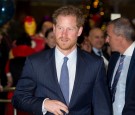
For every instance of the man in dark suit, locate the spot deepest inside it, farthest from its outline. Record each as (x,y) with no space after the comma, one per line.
(40,89)
(97,41)
(121,69)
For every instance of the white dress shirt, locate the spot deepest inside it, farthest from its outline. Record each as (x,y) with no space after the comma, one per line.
(121,85)
(71,63)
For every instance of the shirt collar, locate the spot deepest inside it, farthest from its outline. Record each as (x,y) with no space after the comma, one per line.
(97,50)
(129,50)
(60,56)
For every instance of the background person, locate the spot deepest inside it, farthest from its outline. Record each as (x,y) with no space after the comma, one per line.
(50,39)
(97,40)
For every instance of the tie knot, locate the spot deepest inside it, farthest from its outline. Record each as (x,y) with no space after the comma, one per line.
(122,57)
(65,59)
(100,53)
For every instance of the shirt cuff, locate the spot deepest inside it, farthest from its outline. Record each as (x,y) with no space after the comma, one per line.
(44,111)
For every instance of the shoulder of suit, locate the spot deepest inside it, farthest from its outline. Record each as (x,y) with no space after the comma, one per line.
(43,54)
(114,55)
(90,56)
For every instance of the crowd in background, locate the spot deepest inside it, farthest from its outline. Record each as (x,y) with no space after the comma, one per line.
(19,40)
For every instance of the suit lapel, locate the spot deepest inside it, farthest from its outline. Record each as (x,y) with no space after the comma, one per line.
(111,67)
(53,76)
(131,73)
(80,69)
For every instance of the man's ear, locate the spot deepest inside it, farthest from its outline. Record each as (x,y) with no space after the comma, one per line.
(53,28)
(80,31)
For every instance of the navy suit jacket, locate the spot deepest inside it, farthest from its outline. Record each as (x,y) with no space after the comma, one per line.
(105,54)
(129,107)
(39,81)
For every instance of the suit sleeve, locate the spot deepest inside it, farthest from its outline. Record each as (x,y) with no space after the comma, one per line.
(101,101)
(24,97)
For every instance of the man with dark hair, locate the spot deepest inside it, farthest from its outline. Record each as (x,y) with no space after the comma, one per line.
(50,39)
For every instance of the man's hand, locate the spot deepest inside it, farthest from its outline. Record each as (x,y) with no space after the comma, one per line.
(55,107)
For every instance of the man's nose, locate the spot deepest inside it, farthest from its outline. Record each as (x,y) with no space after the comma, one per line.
(64,32)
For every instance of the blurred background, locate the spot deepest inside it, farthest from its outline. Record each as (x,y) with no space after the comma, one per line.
(34,18)
(98,10)
(39,8)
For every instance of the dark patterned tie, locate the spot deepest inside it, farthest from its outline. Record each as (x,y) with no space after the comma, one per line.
(116,77)
(99,53)
(64,80)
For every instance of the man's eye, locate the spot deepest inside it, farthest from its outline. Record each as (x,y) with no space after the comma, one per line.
(70,29)
(59,28)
